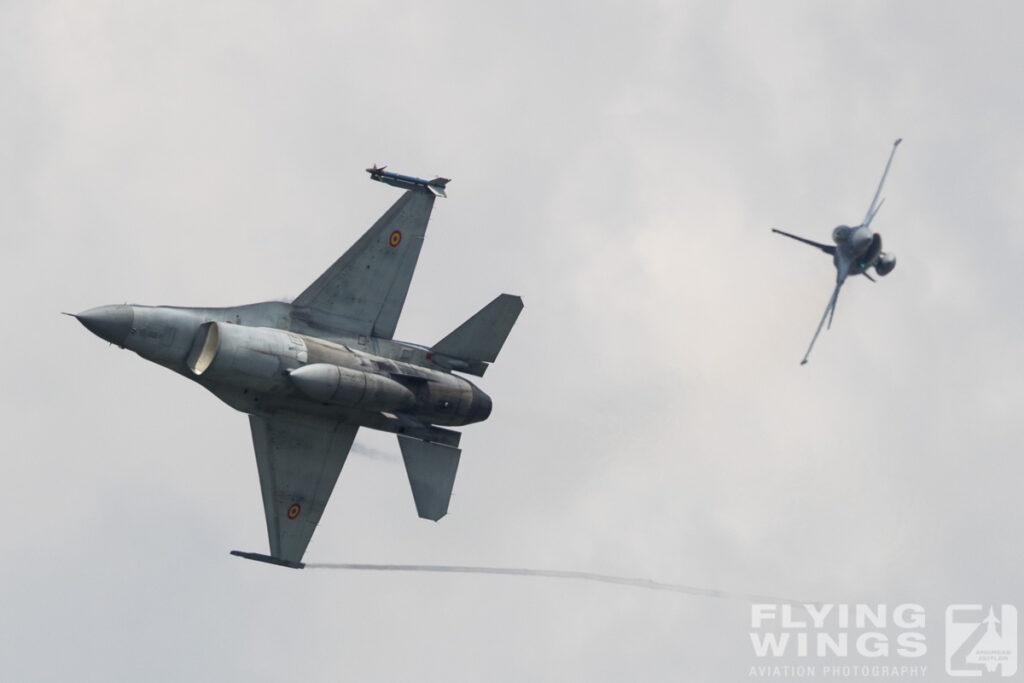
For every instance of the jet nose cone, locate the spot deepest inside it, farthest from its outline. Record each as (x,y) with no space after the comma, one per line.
(113,323)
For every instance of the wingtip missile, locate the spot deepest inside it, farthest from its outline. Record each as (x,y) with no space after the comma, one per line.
(435,187)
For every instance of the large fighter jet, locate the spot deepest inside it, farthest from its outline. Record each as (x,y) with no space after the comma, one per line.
(311,372)
(856,250)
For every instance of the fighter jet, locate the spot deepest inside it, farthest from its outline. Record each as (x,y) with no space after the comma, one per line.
(857,249)
(310,373)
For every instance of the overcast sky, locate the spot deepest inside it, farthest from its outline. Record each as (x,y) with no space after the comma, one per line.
(619,165)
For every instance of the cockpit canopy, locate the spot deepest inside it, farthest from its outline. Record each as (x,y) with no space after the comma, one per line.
(841,233)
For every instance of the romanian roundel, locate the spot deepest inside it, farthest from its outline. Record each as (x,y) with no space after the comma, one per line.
(395,239)
(294,510)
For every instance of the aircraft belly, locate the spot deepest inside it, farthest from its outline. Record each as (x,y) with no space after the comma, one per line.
(310,372)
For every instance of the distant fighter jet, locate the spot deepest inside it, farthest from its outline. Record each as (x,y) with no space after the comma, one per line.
(311,372)
(856,250)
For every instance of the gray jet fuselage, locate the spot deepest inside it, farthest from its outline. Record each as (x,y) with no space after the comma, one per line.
(249,358)
(857,249)
(311,372)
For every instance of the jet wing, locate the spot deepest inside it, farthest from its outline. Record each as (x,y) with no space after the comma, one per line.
(299,460)
(364,291)
(875,204)
(827,248)
(830,311)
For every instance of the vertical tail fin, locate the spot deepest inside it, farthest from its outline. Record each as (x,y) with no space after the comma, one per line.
(477,341)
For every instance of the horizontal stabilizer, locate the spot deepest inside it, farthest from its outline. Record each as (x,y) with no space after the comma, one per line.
(481,337)
(431,468)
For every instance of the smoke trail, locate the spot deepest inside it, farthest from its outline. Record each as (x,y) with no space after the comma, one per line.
(375,453)
(558,574)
